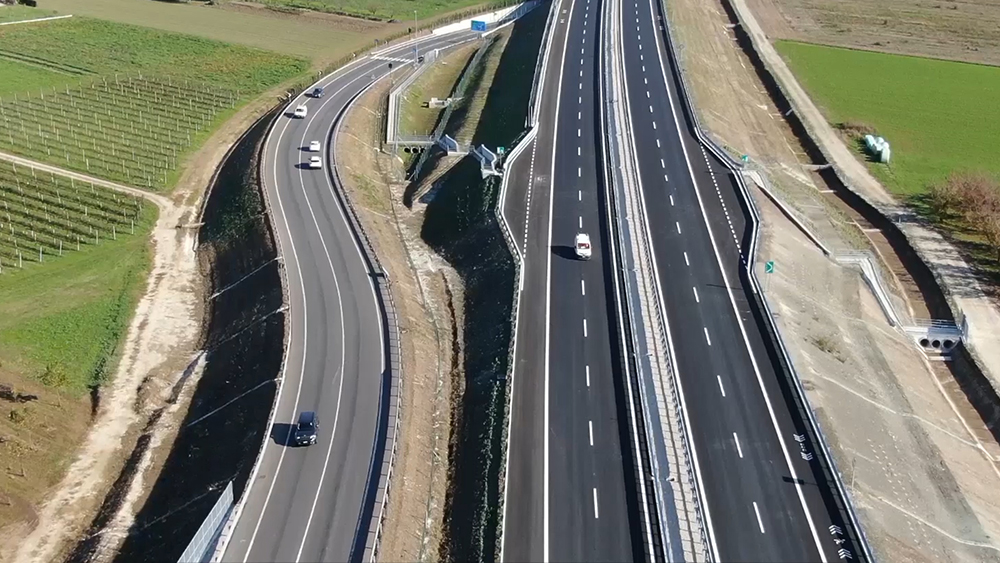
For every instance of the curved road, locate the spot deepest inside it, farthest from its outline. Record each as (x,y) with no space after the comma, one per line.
(314,503)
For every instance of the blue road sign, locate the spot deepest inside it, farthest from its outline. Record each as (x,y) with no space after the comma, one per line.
(478,25)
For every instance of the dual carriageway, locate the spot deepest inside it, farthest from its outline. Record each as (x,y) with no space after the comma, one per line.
(576,488)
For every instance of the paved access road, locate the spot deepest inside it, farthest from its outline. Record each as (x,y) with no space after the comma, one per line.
(570,487)
(762,501)
(314,503)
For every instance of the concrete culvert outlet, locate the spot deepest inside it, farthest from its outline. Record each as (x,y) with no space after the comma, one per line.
(949,344)
(925,343)
(936,344)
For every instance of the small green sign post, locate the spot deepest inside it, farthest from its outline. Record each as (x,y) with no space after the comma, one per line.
(501,150)
(769,267)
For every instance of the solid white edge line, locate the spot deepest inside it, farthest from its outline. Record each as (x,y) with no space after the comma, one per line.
(732,300)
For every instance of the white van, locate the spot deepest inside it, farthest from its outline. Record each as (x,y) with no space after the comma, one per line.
(301,111)
(582,246)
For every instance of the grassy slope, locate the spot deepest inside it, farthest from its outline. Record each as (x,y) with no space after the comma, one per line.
(382,9)
(21,13)
(938,116)
(301,37)
(436,82)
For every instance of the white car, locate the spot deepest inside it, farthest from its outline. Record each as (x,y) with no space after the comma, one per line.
(315,162)
(314,146)
(301,111)
(582,246)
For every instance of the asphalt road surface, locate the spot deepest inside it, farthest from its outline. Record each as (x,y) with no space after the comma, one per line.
(570,491)
(760,505)
(311,503)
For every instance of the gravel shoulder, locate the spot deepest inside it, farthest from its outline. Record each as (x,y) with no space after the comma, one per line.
(920,462)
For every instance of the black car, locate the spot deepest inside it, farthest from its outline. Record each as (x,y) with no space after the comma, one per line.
(317,92)
(305,430)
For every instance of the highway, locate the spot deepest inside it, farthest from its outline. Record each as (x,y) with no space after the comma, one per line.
(761,504)
(570,492)
(314,503)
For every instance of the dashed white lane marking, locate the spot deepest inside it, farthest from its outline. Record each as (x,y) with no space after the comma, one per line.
(597,517)
(587,368)
(579,195)
(760,523)
(696,299)
(647,94)
(581,222)
(663,164)
(665,179)
(654,126)
(657,143)
(581,62)
(581,73)
(579,115)
(640,46)
(686,261)
(581,86)
(579,99)
(583,288)
(585,328)
(739,449)
(581,51)
(678,223)
(645,81)
(644,68)
(590,425)
(640,58)
(650,109)
(579,172)
(707,337)
(527,203)
(579,132)
(721,388)
(725,211)
(671,198)
(577,151)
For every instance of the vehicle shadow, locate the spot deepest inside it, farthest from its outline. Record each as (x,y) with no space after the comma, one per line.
(304,166)
(281,433)
(563,251)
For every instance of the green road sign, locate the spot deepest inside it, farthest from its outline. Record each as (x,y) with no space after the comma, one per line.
(769,267)
(745,158)
(501,150)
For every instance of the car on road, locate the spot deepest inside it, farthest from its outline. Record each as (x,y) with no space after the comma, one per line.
(582,246)
(306,429)
(314,146)
(317,92)
(315,162)
(300,111)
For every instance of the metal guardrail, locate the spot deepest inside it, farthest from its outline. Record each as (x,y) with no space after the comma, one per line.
(633,312)
(201,545)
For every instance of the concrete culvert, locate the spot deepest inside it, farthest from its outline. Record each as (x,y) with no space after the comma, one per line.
(949,344)
(924,342)
(936,343)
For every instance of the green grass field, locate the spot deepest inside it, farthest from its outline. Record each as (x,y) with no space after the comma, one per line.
(20,13)
(938,116)
(401,10)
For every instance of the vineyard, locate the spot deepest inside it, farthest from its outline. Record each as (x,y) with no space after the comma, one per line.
(128,130)
(43,216)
